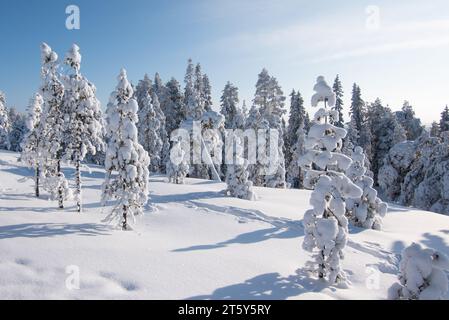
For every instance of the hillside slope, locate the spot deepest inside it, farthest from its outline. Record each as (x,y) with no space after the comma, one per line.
(193,243)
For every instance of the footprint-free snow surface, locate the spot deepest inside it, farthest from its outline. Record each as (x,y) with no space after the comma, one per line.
(192,243)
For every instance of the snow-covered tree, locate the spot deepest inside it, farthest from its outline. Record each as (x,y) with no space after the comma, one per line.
(174,106)
(4,123)
(30,145)
(433,192)
(297,117)
(177,164)
(234,118)
(127,174)
(270,100)
(411,124)
(295,173)
(17,130)
(338,90)
(152,120)
(444,121)
(257,123)
(326,226)
(435,129)
(238,185)
(160,105)
(397,164)
(415,173)
(357,109)
(386,132)
(52,128)
(422,275)
(84,126)
(351,139)
(194,108)
(207,94)
(144,87)
(368,210)
(149,126)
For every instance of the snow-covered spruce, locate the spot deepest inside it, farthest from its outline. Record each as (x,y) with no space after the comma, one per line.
(84,125)
(338,90)
(174,106)
(367,211)
(326,226)
(417,173)
(444,121)
(160,102)
(234,117)
(422,275)
(177,164)
(52,128)
(195,110)
(127,162)
(4,123)
(148,127)
(385,133)
(295,139)
(192,94)
(295,172)
(18,129)
(257,123)
(270,100)
(237,174)
(30,146)
(411,124)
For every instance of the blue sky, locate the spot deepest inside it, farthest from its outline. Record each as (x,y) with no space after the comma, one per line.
(402,54)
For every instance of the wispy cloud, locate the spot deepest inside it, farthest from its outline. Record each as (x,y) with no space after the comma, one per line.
(339,37)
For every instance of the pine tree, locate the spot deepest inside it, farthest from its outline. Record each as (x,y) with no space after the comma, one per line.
(368,210)
(238,185)
(53,127)
(149,126)
(338,90)
(326,226)
(234,118)
(5,125)
(17,130)
(258,124)
(297,117)
(295,173)
(174,107)
(161,92)
(125,157)
(386,132)
(30,146)
(357,109)
(191,98)
(444,122)
(207,94)
(435,129)
(411,124)
(84,130)
(143,88)
(270,100)
(160,98)
(351,139)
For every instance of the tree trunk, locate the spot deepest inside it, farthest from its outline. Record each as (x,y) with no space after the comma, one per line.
(125,218)
(78,186)
(60,193)
(36,181)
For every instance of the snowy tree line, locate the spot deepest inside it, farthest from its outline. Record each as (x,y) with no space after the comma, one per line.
(165,107)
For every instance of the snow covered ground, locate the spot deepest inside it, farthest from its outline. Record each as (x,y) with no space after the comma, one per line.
(197,244)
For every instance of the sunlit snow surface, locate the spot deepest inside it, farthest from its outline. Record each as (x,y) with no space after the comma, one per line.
(196,244)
